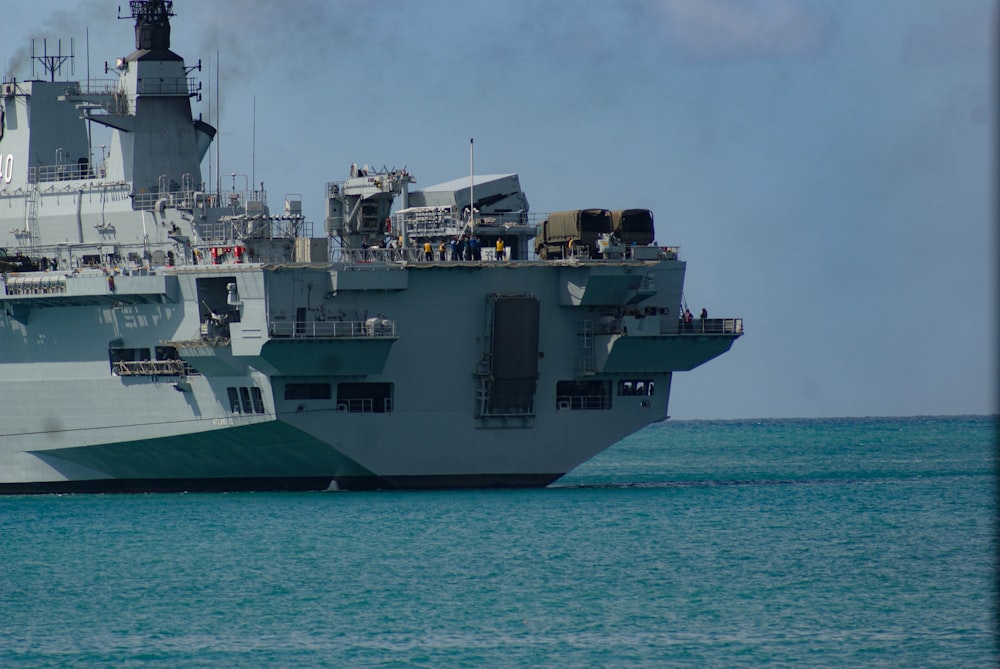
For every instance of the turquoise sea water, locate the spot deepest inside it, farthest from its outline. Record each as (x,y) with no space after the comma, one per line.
(851,542)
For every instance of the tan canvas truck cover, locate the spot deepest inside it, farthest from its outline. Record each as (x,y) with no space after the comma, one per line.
(584,225)
(634,226)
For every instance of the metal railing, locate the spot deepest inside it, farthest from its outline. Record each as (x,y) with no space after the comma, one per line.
(416,254)
(629,252)
(374,327)
(712,326)
(168,86)
(410,254)
(697,326)
(380,255)
(147,201)
(583,402)
(150,368)
(93,87)
(64,172)
(363,405)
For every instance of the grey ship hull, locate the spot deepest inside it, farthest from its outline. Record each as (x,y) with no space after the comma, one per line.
(74,424)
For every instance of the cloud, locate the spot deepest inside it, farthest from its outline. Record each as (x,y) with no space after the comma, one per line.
(723,30)
(252,34)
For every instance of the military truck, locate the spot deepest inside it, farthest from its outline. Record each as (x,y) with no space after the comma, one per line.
(574,232)
(633,226)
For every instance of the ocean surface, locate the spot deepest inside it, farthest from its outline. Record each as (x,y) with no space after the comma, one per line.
(798,543)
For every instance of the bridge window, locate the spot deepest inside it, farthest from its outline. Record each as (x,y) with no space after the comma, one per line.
(635,387)
(258,400)
(245,400)
(234,400)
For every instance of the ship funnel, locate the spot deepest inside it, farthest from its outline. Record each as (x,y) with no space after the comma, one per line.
(204,134)
(152,23)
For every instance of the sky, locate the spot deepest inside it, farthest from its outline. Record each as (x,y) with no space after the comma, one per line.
(827,167)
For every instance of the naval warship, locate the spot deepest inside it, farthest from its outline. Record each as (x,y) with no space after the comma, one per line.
(161,334)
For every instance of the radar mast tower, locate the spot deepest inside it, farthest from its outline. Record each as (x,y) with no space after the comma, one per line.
(152,23)
(51,63)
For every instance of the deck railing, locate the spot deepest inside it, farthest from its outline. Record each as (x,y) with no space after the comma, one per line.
(417,254)
(169,86)
(583,402)
(697,326)
(363,405)
(712,326)
(150,368)
(377,327)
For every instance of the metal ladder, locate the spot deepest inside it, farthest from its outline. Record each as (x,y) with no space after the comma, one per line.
(31,219)
(585,362)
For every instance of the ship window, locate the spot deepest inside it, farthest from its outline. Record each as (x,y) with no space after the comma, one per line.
(245,400)
(364,397)
(635,387)
(234,400)
(307,391)
(583,395)
(258,400)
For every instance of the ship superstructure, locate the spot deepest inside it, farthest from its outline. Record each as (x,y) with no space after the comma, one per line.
(158,334)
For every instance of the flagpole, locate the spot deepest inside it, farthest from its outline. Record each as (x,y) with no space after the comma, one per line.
(472,200)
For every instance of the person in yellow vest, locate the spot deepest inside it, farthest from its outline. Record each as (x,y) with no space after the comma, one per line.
(441,248)
(428,253)
(499,248)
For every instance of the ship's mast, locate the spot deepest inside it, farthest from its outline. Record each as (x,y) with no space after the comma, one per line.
(472,182)
(152,23)
(51,63)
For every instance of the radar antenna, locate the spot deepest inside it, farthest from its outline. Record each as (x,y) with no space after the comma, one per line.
(152,23)
(52,63)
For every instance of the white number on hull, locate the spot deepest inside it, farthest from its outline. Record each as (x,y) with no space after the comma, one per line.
(7,168)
